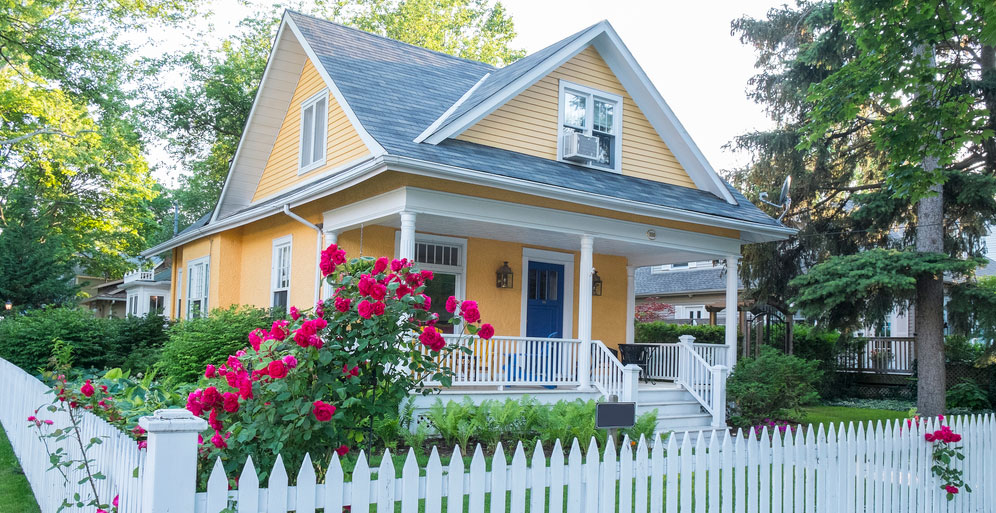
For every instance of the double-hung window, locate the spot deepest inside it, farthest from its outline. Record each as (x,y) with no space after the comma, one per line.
(197,287)
(314,126)
(280,269)
(595,114)
(445,257)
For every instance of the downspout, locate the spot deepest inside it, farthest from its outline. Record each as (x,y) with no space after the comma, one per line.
(318,250)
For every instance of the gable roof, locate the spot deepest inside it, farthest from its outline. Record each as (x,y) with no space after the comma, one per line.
(392,92)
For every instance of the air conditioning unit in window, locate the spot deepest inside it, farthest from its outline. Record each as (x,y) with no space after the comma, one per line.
(580,147)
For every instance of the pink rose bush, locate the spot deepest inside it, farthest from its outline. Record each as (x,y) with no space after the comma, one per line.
(322,380)
(945,453)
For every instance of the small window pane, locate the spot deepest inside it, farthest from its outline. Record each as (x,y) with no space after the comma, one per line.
(574,109)
(552,283)
(603,116)
(307,139)
(441,287)
(319,150)
(532,283)
(605,147)
(280,299)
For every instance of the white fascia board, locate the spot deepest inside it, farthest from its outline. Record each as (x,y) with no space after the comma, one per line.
(754,232)
(541,218)
(456,126)
(249,119)
(370,210)
(665,122)
(371,143)
(435,124)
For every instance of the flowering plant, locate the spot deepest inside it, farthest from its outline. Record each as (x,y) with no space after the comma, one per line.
(321,381)
(944,454)
(654,310)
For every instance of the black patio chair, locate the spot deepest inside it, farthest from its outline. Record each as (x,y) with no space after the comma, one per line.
(637,355)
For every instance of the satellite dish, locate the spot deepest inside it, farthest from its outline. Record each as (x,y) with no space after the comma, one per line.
(784,200)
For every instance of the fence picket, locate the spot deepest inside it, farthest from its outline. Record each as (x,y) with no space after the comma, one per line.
(359,498)
(657,475)
(477,472)
(764,467)
(777,471)
(434,484)
(454,482)
(740,472)
(499,480)
(557,478)
(248,493)
(699,498)
(276,487)
(809,444)
(518,498)
(537,479)
(385,483)
(608,476)
(591,461)
(642,473)
(727,488)
(334,485)
(409,483)
(217,488)
(575,471)
(625,476)
(752,468)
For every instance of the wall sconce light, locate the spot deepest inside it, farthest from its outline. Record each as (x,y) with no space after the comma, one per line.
(596,283)
(8,305)
(504,276)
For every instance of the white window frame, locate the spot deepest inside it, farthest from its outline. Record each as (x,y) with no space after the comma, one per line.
(131,305)
(310,102)
(205,290)
(617,117)
(278,244)
(179,293)
(549,257)
(459,270)
(682,311)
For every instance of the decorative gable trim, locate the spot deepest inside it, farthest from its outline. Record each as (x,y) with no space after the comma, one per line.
(619,59)
(287,57)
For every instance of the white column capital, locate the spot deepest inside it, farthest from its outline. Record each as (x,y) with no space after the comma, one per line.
(332,236)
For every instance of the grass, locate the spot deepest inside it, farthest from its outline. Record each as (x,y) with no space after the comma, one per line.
(836,414)
(15,494)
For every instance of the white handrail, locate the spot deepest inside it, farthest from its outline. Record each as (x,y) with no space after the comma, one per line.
(662,358)
(706,383)
(607,374)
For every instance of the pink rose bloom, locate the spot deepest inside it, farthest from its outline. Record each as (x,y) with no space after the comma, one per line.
(290,361)
(468,304)
(365,309)
(326,266)
(277,369)
(342,450)
(279,330)
(255,338)
(396,265)
(49,422)
(323,411)
(486,332)
(402,291)
(218,441)
(230,402)
(142,444)
(295,313)
(209,371)
(115,501)
(342,304)
(451,304)
(470,315)
(210,397)
(378,308)
(87,389)
(951,489)
(365,284)
(380,265)
(194,402)
(301,338)
(426,275)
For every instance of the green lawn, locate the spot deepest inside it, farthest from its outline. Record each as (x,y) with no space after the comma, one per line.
(836,414)
(15,494)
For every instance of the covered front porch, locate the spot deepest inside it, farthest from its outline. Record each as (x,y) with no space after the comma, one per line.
(558,332)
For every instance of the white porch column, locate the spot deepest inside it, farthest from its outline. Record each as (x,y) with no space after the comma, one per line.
(732,316)
(630,304)
(584,312)
(407,249)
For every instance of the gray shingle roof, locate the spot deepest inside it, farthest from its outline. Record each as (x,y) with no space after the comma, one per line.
(397,90)
(679,282)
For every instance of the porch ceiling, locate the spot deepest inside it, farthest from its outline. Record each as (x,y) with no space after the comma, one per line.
(462,216)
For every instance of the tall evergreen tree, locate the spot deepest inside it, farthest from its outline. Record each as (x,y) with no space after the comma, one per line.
(34,268)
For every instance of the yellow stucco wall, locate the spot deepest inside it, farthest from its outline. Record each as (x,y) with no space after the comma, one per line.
(528,123)
(344,143)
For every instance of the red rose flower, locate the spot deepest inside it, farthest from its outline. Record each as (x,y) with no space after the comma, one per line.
(397,265)
(380,265)
(218,441)
(87,389)
(209,371)
(278,331)
(470,315)
(323,411)
(210,397)
(426,275)
(194,402)
(365,309)
(378,308)
(451,304)
(342,304)
(342,450)
(295,313)
(486,332)
(255,338)
(277,369)
(230,402)
(378,291)
(951,489)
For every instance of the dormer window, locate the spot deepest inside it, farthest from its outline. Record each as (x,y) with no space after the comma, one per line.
(314,112)
(596,116)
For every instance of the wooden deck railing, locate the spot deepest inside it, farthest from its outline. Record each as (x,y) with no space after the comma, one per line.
(883,355)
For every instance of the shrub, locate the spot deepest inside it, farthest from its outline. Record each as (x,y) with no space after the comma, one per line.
(194,343)
(134,343)
(968,395)
(960,349)
(27,340)
(657,332)
(772,386)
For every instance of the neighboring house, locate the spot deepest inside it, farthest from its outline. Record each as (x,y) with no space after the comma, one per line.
(103,297)
(564,163)
(692,288)
(147,288)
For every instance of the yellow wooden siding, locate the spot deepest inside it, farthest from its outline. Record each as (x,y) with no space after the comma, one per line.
(528,123)
(344,143)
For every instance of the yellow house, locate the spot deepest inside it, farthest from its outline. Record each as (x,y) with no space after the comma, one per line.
(566,166)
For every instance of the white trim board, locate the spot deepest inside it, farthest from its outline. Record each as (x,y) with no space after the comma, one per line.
(551,257)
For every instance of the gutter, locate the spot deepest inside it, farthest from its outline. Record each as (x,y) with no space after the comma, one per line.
(318,250)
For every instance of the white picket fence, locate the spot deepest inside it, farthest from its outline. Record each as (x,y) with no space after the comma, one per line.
(117,456)
(878,468)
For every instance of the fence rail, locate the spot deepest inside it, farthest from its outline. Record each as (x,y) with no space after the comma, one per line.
(888,355)
(117,456)
(880,468)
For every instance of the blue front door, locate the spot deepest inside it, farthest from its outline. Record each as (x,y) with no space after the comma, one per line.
(545,300)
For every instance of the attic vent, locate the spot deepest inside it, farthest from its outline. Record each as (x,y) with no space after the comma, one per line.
(579,147)
(437,254)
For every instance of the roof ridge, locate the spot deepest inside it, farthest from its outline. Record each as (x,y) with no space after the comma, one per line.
(381,36)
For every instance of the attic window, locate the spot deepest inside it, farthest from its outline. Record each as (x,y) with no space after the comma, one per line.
(314,125)
(597,117)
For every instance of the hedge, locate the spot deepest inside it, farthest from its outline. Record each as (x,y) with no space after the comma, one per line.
(665,332)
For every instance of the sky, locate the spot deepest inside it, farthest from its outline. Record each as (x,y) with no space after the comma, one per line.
(684,47)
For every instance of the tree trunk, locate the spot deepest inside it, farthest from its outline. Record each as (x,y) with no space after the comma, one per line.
(929,319)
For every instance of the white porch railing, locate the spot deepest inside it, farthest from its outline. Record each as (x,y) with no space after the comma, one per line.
(139,275)
(608,374)
(504,361)
(705,382)
(662,359)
